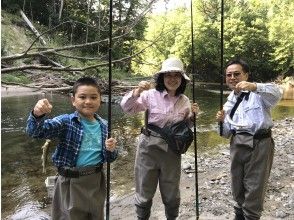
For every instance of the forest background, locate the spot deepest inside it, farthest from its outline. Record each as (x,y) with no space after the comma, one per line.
(72,38)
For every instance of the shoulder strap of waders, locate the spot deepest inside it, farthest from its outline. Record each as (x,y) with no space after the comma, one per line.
(239,100)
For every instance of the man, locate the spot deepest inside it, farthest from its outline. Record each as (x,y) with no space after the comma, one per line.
(251,147)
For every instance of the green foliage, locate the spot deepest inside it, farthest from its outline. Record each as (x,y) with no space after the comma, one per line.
(37,9)
(88,21)
(16,78)
(246,36)
(281,34)
(117,73)
(163,37)
(4,50)
(261,32)
(100,73)
(11,6)
(8,35)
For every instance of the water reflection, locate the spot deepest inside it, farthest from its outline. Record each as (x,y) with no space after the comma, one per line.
(22,185)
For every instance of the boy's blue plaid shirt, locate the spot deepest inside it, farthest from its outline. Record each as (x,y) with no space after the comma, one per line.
(68,129)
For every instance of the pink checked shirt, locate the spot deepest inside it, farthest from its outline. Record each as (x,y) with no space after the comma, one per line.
(163,108)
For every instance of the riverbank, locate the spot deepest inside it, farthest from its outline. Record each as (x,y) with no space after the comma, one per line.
(15,90)
(215,199)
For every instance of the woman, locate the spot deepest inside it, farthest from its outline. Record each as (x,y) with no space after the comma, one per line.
(155,161)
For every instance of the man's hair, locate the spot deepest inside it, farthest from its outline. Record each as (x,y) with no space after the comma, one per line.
(161,87)
(241,62)
(85,81)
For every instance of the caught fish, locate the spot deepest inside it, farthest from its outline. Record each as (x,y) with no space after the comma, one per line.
(45,149)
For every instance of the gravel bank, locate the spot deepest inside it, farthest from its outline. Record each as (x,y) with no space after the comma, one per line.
(215,199)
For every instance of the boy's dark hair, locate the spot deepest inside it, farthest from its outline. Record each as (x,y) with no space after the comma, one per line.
(85,81)
(161,87)
(241,62)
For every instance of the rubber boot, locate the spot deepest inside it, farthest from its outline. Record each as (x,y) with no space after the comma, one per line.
(239,215)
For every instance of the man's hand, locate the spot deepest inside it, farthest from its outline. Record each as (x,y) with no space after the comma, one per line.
(220,116)
(245,86)
(42,107)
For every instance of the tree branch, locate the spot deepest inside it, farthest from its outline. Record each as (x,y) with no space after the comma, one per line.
(45,32)
(50,51)
(80,58)
(54,51)
(69,69)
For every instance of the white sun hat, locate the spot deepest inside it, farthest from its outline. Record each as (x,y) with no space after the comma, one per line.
(173,65)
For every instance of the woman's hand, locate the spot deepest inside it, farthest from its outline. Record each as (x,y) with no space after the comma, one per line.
(143,85)
(110,144)
(195,108)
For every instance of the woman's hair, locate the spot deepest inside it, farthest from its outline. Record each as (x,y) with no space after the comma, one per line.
(159,81)
(241,62)
(85,81)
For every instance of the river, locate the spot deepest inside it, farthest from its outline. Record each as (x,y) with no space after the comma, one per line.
(23,191)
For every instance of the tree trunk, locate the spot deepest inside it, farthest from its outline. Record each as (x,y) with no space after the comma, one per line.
(60,10)
(34,30)
(24,5)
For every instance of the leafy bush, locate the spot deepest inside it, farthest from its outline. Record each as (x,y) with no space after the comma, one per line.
(15,78)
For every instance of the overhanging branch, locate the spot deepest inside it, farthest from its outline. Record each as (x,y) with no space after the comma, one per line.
(68,68)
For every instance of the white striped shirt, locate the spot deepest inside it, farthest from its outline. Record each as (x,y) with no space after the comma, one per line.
(253,113)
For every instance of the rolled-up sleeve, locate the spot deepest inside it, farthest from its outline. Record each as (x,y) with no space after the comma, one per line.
(269,92)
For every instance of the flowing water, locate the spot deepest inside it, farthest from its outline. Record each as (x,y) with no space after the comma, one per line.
(23,191)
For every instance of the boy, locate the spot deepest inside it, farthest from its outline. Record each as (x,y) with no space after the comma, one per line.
(79,191)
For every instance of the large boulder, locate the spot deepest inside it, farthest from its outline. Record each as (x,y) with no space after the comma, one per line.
(288,88)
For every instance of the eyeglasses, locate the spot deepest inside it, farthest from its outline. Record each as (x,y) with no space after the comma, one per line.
(235,74)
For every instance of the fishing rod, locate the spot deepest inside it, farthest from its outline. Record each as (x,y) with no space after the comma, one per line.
(222,65)
(109,107)
(194,121)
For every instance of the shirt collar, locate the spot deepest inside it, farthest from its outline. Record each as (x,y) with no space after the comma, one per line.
(233,96)
(164,94)
(77,116)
